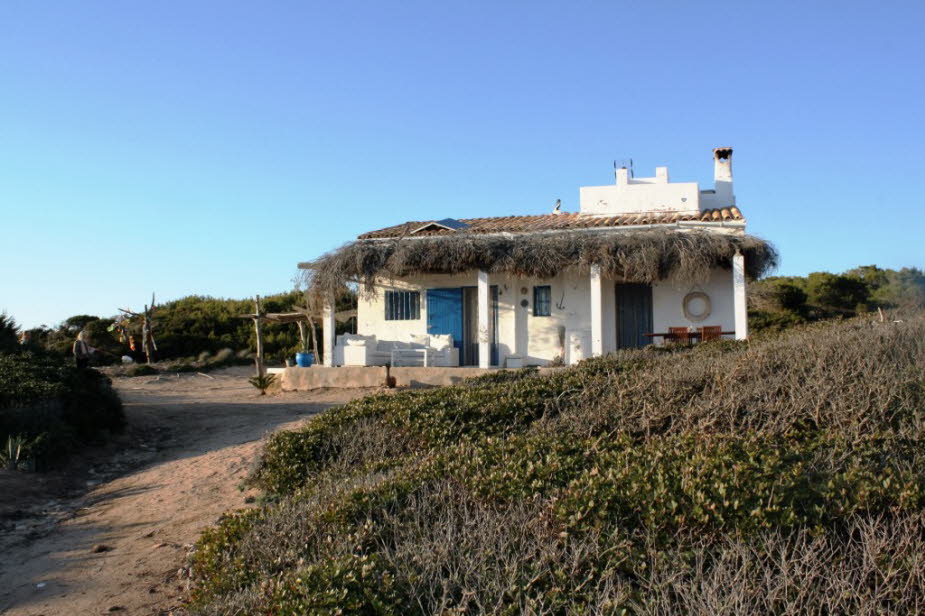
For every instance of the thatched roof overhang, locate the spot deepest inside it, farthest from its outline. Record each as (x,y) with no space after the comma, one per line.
(645,254)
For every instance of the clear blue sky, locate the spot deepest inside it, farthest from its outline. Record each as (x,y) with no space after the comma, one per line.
(207,147)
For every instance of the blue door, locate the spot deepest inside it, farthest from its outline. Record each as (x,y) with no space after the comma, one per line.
(445,314)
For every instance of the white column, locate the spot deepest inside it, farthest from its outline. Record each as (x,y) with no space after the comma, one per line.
(597,322)
(327,327)
(484,323)
(738,294)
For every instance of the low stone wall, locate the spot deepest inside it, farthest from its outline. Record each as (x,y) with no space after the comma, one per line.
(316,377)
(433,377)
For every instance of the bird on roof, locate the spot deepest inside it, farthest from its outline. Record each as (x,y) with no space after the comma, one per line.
(558,208)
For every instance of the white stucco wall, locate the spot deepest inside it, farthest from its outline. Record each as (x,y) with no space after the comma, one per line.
(537,339)
(640,197)
(659,194)
(667,300)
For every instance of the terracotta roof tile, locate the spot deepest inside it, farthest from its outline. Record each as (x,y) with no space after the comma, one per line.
(559,222)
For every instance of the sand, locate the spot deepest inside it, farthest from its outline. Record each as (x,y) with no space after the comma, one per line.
(111,532)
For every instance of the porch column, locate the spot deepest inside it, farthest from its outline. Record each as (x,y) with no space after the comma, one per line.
(327,328)
(597,322)
(484,323)
(738,294)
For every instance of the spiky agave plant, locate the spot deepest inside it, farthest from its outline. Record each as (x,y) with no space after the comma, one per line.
(262,382)
(13,451)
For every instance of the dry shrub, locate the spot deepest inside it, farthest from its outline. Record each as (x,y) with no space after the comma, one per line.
(251,546)
(853,377)
(823,425)
(455,554)
(448,553)
(643,256)
(471,559)
(871,565)
(451,554)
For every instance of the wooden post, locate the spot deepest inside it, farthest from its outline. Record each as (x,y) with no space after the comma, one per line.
(147,329)
(306,330)
(146,335)
(597,322)
(258,317)
(303,335)
(311,329)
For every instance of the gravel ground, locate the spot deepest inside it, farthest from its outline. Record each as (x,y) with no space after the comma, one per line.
(110,534)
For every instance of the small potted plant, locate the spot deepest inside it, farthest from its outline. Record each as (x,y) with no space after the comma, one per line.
(305,358)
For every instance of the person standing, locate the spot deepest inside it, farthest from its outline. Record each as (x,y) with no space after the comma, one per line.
(82,351)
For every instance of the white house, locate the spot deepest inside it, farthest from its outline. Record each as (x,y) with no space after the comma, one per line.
(642,258)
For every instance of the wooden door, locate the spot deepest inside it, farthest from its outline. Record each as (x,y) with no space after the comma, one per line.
(634,315)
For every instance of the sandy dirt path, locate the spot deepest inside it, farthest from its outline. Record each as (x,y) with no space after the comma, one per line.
(117,543)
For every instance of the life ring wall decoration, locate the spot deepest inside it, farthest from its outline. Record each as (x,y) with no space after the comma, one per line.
(697,306)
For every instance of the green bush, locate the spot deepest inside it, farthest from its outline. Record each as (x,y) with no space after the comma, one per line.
(420,420)
(501,376)
(9,334)
(193,325)
(109,349)
(774,321)
(778,302)
(835,291)
(43,396)
(189,327)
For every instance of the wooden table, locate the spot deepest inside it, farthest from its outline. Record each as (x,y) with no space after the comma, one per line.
(695,335)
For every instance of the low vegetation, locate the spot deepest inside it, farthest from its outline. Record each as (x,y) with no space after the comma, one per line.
(204,362)
(9,334)
(263,382)
(49,408)
(185,329)
(783,301)
(785,475)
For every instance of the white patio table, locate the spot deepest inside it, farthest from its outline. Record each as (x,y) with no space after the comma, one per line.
(412,357)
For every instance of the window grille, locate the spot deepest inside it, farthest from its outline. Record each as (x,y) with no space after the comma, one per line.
(542,301)
(402,305)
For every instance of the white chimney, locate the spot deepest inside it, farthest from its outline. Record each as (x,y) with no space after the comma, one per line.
(623,175)
(722,177)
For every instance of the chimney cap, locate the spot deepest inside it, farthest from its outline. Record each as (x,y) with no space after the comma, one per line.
(722,153)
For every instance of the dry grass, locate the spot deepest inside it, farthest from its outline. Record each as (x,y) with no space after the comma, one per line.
(871,565)
(855,377)
(453,555)
(641,256)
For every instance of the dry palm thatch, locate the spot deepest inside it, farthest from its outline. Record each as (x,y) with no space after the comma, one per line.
(640,256)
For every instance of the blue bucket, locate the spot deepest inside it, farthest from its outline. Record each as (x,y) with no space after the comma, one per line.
(304,360)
